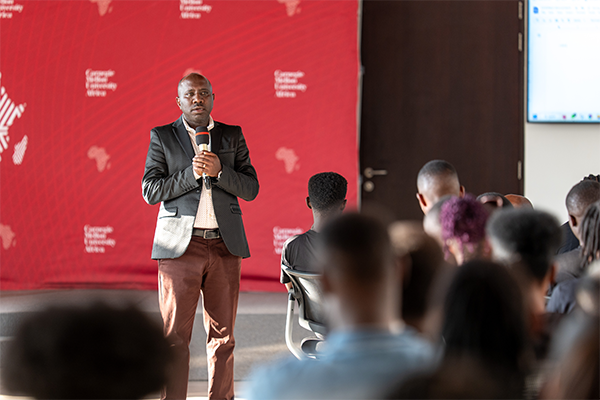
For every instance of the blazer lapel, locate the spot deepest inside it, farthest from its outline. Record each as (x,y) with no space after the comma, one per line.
(183,137)
(215,138)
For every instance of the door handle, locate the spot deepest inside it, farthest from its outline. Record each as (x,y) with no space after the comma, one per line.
(370,172)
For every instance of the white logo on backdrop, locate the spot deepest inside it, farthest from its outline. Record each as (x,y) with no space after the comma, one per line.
(96,238)
(280,235)
(8,7)
(192,9)
(291,7)
(8,112)
(289,158)
(287,85)
(19,152)
(98,83)
(104,6)
(8,237)
(101,156)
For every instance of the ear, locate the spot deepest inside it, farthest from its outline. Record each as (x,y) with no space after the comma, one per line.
(462,192)
(572,221)
(343,205)
(178,102)
(308,202)
(422,202)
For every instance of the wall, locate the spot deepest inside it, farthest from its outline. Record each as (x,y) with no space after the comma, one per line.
(557,156)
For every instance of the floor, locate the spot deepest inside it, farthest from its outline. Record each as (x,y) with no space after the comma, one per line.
(259,332)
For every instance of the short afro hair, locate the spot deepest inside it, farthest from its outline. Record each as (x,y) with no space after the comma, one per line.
(327,190)
(527,236)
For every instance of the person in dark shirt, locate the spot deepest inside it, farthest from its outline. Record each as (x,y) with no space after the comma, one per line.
(525,240)
(327,199)
(563,298)
(578,200)
(570,241)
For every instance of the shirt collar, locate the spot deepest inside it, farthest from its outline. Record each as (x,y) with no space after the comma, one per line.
(211,124)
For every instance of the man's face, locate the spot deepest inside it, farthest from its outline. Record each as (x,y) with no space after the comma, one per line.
(195,99)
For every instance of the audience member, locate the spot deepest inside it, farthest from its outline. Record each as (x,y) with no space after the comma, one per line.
(493,201)
(366,347)
(431,222)
(588,305)
(327,199)
(484,318)
(421,260)
(519,201)
(527,240)
(463,229)
(436,179)
(96,352)
(577,201)
(456,378)
(579,371)
(563,296)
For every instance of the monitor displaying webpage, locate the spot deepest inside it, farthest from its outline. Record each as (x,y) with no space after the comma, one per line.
(563,61)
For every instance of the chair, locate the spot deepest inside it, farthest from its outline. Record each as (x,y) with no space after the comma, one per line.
(306,290)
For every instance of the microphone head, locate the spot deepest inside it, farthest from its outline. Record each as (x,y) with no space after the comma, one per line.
(202,135)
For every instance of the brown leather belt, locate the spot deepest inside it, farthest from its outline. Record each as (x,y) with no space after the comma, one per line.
(207,233)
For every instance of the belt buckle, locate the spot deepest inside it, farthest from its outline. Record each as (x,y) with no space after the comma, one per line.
(210,234)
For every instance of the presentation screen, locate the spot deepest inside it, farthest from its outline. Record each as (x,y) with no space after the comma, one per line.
(564,61)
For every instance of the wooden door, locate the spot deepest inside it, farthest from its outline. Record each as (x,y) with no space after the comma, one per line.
(442,80)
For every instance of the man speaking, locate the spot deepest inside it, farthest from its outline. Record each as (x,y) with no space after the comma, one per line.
(199,240)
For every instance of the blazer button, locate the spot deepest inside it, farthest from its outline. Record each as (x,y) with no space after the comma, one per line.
(197,190)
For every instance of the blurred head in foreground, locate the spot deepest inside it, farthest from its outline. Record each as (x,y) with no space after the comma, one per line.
(485,318)
(421,260)
(456,378)
(359,273)
(95,352)
(527,240)
(578,376)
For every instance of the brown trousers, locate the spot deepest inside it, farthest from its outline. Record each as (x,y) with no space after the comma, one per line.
(206,267)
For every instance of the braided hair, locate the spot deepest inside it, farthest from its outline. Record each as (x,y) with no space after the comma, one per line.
(590,235)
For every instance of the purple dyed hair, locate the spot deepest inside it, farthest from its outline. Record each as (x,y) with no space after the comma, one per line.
(464,220)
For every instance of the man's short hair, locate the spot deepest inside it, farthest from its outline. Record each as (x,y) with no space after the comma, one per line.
(436,168)
(364,244)
(525,236)
(582,195)
(327,190)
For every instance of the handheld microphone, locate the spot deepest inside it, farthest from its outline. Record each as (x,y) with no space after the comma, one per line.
(202,140)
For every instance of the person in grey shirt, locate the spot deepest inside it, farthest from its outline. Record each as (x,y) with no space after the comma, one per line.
(368,347)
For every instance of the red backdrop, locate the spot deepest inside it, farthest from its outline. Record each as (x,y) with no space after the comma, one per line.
(83,82)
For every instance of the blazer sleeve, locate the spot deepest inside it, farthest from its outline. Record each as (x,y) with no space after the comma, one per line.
(157,184)
(241,180)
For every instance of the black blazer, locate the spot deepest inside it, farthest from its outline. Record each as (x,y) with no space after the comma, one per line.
(169,179)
